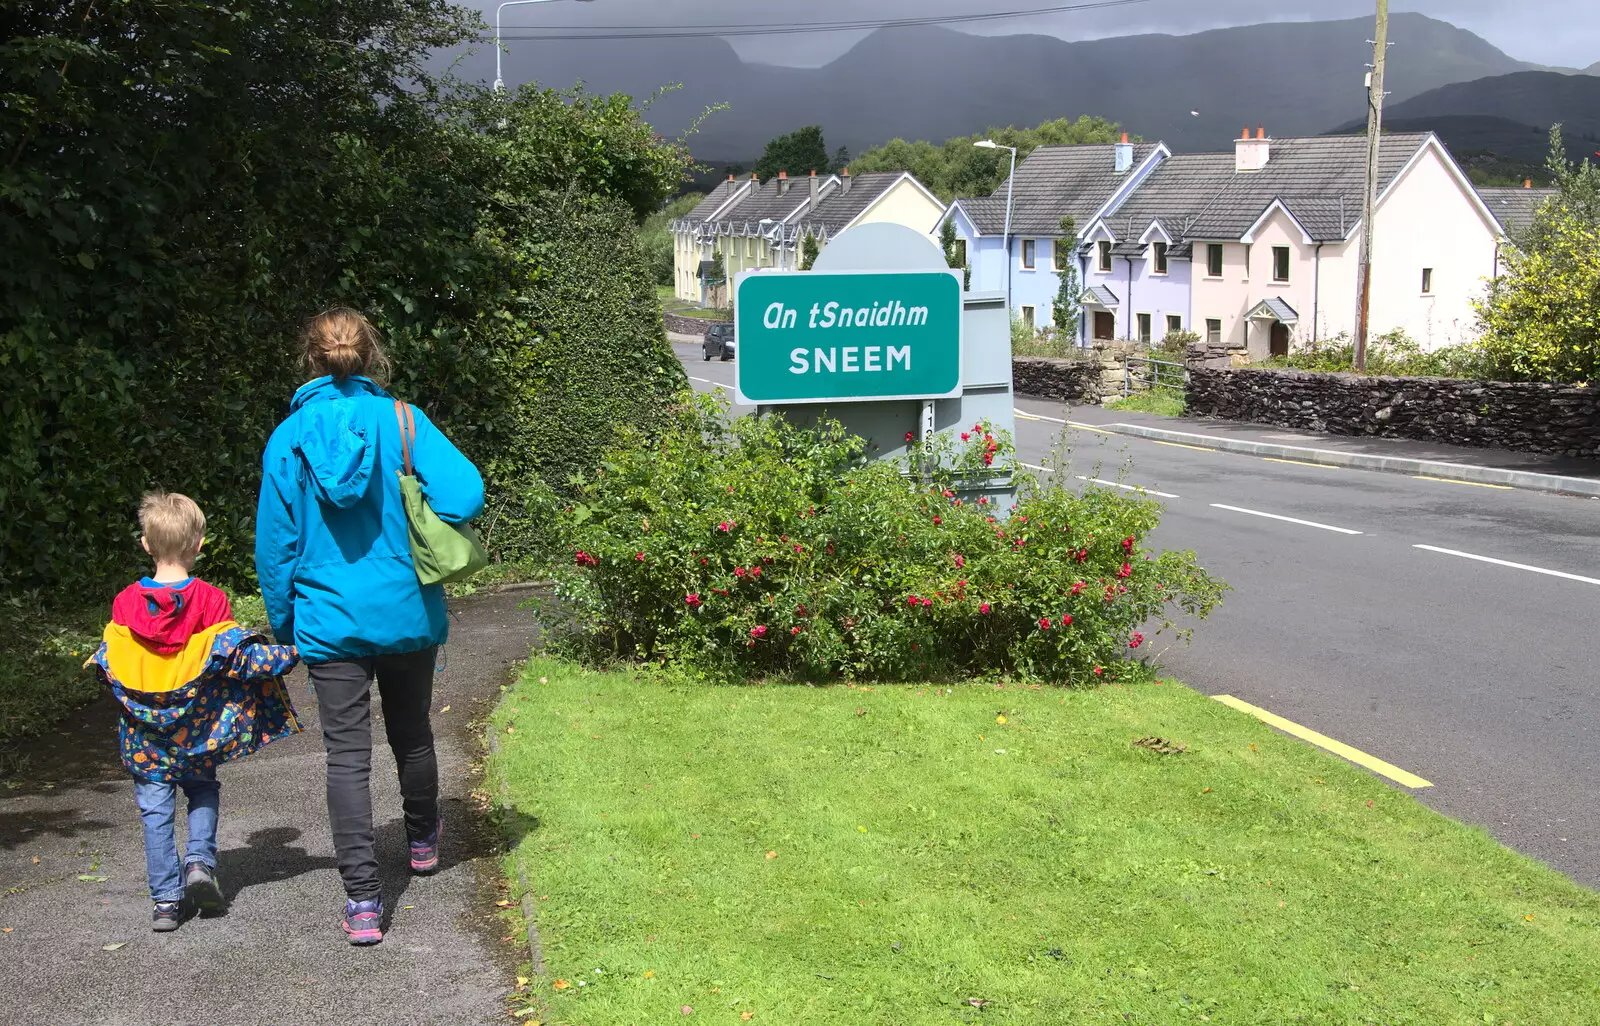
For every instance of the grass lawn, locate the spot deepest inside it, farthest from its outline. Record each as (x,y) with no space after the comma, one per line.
(1163,403)
(898,855)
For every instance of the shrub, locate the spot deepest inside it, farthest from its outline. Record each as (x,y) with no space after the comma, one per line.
(762,548)
(1393,354)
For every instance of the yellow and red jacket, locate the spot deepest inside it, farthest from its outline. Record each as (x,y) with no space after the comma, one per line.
(218,696)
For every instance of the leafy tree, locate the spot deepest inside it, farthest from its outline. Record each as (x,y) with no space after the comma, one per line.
(1538,319)
(655,236)
(183,183)
(840,162)
(1067,305)
(954,251)
(810,250)
(798,153)
(958,168)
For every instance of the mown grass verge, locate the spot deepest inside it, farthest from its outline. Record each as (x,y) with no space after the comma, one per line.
(1163,403)
(900,855)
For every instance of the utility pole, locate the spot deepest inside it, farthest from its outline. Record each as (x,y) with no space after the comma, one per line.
(1380,46)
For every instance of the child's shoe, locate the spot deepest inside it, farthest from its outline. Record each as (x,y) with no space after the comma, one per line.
(201,887)
(425,854)
(362,921)
(167,916)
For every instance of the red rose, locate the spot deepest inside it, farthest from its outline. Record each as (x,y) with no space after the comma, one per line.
(726,525)
(739,571)
(640,557)
(1127,544)
(965,436)
(755,571)
(911,436)
(799,548)
(983,608)
(793,631)
(961,561)
(1126,571)
(913,601)
(691,600)
(947,493)
(758,632)
(937,521)
(1077,588)
(1136,640)
(1066,620)
(1044,623)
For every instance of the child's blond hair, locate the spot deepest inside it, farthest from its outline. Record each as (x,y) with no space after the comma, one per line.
(173,526)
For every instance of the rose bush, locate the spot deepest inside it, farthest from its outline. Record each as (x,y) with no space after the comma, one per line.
(758,548)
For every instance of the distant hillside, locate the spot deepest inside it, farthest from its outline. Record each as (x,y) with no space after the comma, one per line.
(1297,78)
(1537,98)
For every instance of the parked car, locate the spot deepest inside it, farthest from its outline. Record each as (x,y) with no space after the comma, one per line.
(718,341)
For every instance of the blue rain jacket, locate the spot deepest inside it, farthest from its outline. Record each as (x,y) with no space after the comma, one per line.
(332,550)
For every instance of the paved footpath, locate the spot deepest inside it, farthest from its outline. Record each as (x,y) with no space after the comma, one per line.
(278,955)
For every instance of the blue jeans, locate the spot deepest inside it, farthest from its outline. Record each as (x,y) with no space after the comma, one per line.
(158,808)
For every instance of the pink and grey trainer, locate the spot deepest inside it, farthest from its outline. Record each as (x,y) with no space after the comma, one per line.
(425,853)
(362,921)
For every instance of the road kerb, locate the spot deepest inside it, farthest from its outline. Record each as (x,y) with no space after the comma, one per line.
(1466,472)
(1326,743)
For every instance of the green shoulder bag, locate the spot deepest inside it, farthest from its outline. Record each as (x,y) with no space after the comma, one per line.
(443,553)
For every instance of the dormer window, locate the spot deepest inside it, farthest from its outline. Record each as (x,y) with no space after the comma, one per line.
(1104,249)
(1159,256)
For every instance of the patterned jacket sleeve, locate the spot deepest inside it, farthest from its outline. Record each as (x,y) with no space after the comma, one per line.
(259,661)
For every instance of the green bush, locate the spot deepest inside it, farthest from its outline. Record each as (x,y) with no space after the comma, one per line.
(759,548)
(1393,354)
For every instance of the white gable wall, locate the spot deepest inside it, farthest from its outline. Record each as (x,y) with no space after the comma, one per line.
(1429,218)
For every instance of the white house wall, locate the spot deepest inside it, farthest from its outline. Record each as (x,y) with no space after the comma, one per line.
(1428,219)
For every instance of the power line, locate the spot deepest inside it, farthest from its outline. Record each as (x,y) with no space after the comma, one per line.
(559,32)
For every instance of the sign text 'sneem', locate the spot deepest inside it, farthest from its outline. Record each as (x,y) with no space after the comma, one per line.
(780,317)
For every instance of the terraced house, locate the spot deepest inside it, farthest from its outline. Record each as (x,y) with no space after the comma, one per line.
(754,224)
(1258,248)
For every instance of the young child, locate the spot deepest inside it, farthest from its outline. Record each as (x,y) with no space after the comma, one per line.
(196,690)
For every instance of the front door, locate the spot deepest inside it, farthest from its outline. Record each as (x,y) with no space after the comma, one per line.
(1105,324)
(1280,339)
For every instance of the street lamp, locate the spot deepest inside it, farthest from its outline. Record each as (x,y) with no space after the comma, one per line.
(499,83)
(1011,184)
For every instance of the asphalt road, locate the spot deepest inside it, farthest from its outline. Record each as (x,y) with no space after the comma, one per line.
(1479,677)
(278,956)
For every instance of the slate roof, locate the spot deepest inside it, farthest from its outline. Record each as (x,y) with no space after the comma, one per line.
(708,206)
(838,207)
(1320,181)
(1174,193)
(1052,182)
(1275,307)
(1101,295)
(768,200)
(1514,207)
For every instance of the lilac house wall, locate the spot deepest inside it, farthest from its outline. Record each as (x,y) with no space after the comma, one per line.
(1155,294)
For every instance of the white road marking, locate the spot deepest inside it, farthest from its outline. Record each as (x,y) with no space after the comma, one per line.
(1288,520)
(1504,562)
(708,381)
(1126,487)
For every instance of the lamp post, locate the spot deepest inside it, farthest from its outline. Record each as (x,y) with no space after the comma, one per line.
(499,83)
(1011,185)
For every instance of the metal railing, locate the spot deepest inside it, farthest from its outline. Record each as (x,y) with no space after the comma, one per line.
(1146,374)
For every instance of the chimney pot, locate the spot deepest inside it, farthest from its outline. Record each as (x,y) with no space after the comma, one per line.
(784,175)
(1245,134)
(813,172)
(1261,132)
(1124,136)
(1527,183)
(754,177)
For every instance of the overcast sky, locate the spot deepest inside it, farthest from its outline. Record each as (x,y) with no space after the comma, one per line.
(1555,32)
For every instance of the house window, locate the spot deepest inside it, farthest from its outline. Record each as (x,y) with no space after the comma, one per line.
(1280,263)
(1104,248)
(1427,281)
(1144,328)
(1029,253)
(1214,259)
(1174,322)
(1213,331)
(1160,249)
(1063,254)
(961,252)
(1027,317)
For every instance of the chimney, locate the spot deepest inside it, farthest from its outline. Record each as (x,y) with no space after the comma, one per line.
(815,189)
(1251,154)
(1124,154)
(844,179)
(783,182)
(732,185)
(1527,183)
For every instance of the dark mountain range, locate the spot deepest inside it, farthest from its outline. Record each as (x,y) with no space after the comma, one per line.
(1535,98)
(933,83)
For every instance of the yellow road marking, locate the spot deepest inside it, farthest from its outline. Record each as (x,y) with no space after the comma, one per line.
(1447,480)
(1299,463)
(1027,416)
(1180,445)
(1338,748)
(1085,427)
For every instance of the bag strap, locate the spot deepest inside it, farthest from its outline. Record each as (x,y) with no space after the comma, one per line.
(408,432)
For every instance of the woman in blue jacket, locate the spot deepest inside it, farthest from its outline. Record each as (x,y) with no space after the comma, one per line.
(334,559)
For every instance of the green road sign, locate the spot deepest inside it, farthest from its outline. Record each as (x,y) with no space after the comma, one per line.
(810,336)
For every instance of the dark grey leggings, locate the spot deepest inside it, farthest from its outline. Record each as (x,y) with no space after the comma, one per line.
(344,696)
